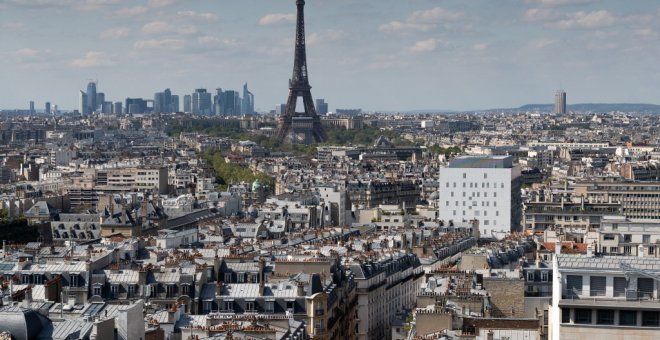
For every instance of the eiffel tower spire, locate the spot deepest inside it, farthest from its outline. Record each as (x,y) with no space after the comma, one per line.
(291,124)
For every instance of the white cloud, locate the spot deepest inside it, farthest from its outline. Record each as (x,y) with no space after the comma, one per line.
(163,44)
(161,3)
(427,45)
(584,19)
(277,18)
(398,26)
(115,33)
(83,5)
(162,27)
(540,14)
(434,15)
(561,2)
(422,21)
(131,11)
(93,59)
(26,52)
(209,17)
(324,37)
(646,33)
(210,41)
(480,47)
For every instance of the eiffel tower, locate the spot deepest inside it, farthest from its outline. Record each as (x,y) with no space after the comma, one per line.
(300,127)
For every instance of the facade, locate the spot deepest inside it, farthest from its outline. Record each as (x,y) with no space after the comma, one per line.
(82,103)
(321,107)
(247,104)
(486,189)
(201,102)
(384,288)
(560,102)
(91,98)
(133,179)
(638,200)
(604,297)
(187,103)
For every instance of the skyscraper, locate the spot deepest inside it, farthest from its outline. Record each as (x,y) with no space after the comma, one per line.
(187,103)
(118,108)
(163,102)
(31,107)
(47,108)
(174,104)
(91,98)
(321,107)
(100,99)
(247,105)
(560,102)
(201,102)
(159,102)
(230,103)
(82,103)
(217,102)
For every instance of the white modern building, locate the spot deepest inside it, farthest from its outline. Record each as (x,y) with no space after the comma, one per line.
(485,189)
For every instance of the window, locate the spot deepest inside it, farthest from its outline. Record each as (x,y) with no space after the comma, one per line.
(131,290)
(544,276)
(574,285)
(485,176)
(464,175)
(620,286)
(229,305)
(646,239)
(318,324)
(114,290)
(530,276)
(249,306)
(650,319)
(74,280)
(565,315)
(597,286)
(652,250)
(627,250)
(627,238)
(645,287)
(614,250)
(97,290)
(583,316)
(227,277)
(628,318)
(605,317)
(206,307)
(270,307)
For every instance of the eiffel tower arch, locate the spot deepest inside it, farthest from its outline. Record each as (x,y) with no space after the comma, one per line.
(300,127)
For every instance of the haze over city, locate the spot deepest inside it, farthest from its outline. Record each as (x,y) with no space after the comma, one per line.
(372,54)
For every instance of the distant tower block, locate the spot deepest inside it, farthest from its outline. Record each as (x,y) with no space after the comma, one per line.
(560,102)
(300,127)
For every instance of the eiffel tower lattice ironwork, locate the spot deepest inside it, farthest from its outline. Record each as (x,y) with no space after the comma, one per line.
(290,121)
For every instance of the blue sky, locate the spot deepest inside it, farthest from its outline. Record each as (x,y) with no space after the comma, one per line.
(370,54)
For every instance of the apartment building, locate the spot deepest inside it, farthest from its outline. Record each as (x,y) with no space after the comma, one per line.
(605,297)
(638,200)
(486,189)
(385,288)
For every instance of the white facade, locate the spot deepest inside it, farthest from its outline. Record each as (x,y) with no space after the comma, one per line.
(482,194)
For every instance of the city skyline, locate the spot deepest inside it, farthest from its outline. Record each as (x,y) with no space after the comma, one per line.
(408,56)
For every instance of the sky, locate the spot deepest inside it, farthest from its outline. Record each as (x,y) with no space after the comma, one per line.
(370,54)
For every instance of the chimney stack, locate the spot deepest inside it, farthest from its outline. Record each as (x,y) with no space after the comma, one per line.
(557,247)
